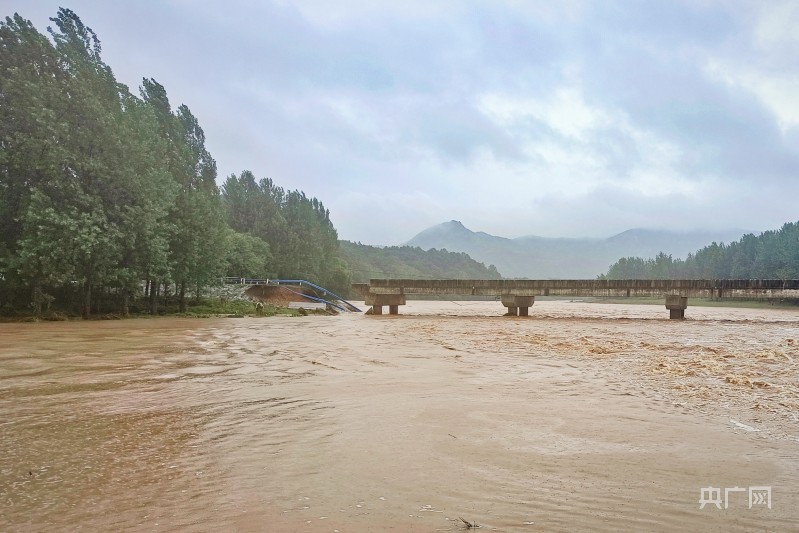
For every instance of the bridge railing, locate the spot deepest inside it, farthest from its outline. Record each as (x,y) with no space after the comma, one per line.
(325,296)
(245,281)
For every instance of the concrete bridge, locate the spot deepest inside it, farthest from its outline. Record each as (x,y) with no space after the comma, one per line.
(519,295)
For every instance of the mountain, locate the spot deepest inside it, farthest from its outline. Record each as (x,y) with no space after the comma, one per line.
(545,258)
(365,262)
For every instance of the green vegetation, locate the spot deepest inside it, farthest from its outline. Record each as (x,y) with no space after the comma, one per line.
(201,308)
(296,230)
(218,307)
(406,262)
(109,203)
(770,255)
(106,196)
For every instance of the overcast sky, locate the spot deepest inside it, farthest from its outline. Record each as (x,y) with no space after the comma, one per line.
(564,118)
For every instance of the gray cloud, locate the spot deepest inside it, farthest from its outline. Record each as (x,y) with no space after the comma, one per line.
(570,118)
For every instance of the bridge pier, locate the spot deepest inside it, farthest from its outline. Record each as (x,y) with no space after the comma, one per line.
(676,305)
(377,301)
(517,305)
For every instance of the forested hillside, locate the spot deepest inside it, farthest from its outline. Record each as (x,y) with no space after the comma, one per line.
(770,255)
(104,193)
(407,262)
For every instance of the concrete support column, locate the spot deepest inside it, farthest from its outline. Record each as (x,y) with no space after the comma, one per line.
(676,305)
(517,305)
(377,301)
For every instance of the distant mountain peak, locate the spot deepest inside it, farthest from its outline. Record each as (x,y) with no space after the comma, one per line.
(451,227)
(454,224)
(546,257)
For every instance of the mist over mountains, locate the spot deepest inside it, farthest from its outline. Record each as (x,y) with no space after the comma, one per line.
(564,258)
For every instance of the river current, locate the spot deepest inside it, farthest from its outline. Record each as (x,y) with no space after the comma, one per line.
(581,417)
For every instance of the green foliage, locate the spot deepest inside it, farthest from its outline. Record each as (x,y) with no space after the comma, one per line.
(99,190)
(247,256)
(197,230)
(103,193)
(302,240)
(61,147)
(408,262)
(770,255)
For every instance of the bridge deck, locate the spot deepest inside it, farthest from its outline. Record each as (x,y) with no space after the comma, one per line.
(708,288)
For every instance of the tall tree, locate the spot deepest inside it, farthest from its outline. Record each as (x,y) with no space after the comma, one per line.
(197,239)
(32,130)
(772,254)
(100,189)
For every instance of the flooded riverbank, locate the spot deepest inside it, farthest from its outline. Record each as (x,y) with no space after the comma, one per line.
(584,416)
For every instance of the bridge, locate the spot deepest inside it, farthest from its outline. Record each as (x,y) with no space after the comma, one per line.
(322,295)
(519,295)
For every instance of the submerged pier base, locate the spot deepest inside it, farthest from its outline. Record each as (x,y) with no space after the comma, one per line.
(676,305)
(377,301)
(517,305)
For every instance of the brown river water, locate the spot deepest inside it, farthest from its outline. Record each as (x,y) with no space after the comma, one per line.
(581,417)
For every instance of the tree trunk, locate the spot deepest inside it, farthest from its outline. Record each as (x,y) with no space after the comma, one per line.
(125,303)
(37,298)
(182,297)
(153,297)
(87,300)
(98,300)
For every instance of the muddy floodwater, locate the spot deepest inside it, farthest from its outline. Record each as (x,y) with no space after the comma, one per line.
(581,417)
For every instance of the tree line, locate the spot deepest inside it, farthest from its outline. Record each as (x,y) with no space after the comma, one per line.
(770,255)
(110,198)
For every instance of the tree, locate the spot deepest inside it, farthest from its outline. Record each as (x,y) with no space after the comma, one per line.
(101,190)
(255,208)
(197,229)
(772,254)
(247,256)
(32,89)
